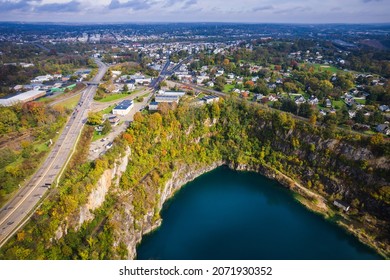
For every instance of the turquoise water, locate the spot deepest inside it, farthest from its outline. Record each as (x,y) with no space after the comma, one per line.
(226,214)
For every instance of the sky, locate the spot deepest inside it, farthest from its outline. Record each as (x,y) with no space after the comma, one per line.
(252,11)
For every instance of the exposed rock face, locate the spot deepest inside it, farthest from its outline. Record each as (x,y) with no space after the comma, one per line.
(97,197)
(129,231)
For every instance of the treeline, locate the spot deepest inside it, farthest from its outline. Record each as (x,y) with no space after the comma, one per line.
(232,131)
(25,132)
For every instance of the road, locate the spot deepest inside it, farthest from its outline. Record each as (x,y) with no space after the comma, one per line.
(98,147)
(16,212)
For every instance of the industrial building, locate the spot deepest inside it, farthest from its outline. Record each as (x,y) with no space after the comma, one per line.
(123,108)
(167,98)
(22,97)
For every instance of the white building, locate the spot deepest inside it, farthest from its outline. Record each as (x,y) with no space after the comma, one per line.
(178,93)
(41,79)
(153,106)
(123,108)
(167,98)
(210,99)
(23,97)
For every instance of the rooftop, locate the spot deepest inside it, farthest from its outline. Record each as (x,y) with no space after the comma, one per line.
(124,105)
(23,97)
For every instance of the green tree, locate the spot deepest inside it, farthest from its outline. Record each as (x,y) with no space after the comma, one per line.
(94,118)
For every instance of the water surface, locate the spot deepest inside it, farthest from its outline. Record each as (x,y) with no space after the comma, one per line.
(226,214)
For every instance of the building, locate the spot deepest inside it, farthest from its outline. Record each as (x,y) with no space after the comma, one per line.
(341,205)
(123,108)
(23,97)
(167,98)
(153,106)
(41,79)
(210,99)
(172,93)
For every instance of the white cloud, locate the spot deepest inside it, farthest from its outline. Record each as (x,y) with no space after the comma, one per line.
(304,11)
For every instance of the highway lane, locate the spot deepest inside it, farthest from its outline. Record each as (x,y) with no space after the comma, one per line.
(16,211)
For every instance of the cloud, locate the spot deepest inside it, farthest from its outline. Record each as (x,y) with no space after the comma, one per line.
(23,5)
(263,8)
(368,1)
(135,5)
(68,7)
(190,3)
(298,9)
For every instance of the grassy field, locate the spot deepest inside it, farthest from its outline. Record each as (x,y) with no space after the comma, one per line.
(97,136)
(71,102)
(108,110)
(360,101)
(113,97)
(228,88)
(330,68)
(338,104)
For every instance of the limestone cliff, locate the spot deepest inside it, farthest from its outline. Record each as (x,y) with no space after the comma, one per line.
(129,230)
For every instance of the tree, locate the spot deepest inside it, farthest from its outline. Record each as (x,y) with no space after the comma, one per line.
(106,127)
(94,118)
(220,83)
(360,117)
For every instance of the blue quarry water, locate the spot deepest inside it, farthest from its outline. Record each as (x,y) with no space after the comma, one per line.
(226,214)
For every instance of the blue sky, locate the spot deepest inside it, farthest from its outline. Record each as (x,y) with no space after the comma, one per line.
(277,11)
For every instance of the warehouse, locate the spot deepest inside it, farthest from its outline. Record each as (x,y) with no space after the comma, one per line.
(123,108)
(22,98)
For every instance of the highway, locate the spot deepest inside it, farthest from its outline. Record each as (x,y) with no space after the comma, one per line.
(16,212)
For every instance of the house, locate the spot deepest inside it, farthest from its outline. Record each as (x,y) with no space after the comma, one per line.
(140,79)
(273,98)
(341,205)
(271,86)
(231,76)
(153,106)
(114,120)
(116,73)
(328,103)
(201,79)
(210,84)
(384,108)
(41,79)
(244,93)
(219,73)
(131,87)
(258,97)
(123,108)
(383,128)
(313,100)
(300,99)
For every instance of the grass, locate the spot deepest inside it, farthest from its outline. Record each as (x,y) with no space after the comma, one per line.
(201,95)
(108,110)
(338,104)
(321,67)
(97,136)
(113,97)
(71,102)
(360,101)
(41,147)
(228,88)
